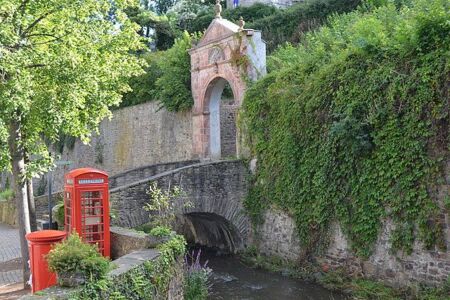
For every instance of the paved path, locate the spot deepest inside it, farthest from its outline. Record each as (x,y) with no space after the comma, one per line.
(10,263)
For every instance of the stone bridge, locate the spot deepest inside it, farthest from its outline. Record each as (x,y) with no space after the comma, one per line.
(216,191)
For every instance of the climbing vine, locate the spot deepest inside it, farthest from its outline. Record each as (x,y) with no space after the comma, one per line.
(354,127)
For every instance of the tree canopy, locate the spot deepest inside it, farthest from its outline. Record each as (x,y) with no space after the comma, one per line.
(63,65)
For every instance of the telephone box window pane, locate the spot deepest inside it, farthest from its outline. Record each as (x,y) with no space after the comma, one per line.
(92,218)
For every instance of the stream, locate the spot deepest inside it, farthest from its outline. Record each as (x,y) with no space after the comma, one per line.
(231,279)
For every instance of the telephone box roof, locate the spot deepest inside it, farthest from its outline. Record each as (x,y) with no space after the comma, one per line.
(77,172)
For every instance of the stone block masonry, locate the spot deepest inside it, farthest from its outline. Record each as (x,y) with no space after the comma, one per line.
(278,237)
(135,137)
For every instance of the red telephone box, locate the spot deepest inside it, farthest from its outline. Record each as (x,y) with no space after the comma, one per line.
(86,204)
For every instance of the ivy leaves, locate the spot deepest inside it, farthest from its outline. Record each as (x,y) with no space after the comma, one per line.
(347,130)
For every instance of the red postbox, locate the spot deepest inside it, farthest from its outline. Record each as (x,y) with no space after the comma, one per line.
(86,204)
(39,245)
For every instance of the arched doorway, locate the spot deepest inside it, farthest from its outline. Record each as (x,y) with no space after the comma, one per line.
(227,53)
(222,111)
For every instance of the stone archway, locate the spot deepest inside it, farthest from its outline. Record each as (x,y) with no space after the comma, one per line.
(226,53)
(222,120)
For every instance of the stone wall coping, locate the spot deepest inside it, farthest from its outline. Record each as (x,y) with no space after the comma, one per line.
(128,232)
(193,161)
(164,174)
(133,260)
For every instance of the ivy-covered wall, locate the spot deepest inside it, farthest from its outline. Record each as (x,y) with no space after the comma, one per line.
(352,127)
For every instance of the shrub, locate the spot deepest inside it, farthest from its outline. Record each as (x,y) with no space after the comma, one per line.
(144,86)
(6,195)
(290,24)
(161,231)
(148,282)
(167,78)
(162,205)
(59,213)
(249,13)
(74,256)
(173,87)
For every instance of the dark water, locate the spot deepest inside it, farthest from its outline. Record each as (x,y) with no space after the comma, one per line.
(231,280)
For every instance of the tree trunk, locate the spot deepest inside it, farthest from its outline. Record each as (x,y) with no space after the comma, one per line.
(20,191)
(31,205)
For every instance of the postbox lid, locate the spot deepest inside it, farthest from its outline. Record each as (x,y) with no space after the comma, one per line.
(45,236)
(77,172)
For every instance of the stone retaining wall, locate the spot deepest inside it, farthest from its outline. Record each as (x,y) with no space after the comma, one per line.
(277,236)
(136,136)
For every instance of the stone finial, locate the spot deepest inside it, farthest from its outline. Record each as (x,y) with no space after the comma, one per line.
(218,9)
(241,23)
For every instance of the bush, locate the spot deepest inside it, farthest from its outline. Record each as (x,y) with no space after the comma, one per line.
(249,13)
(150,281)
(59,213)
(167,78)
(173,87)
(144,86)
(74,256)
(6,195)
(354,125)
(289,25)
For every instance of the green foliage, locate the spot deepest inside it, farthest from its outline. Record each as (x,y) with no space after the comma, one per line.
(60,70)
(195,286)
(167,78)
(73,255)
(173,87)
(162,205)
(162,6)
(147,227)
(148,282)
(196,275)
(144,86)
(6,195)
(185,11)
(358,288)
(161,231)
(290,24)
(160,30)
(59,213)
(249,13)
(344,130)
